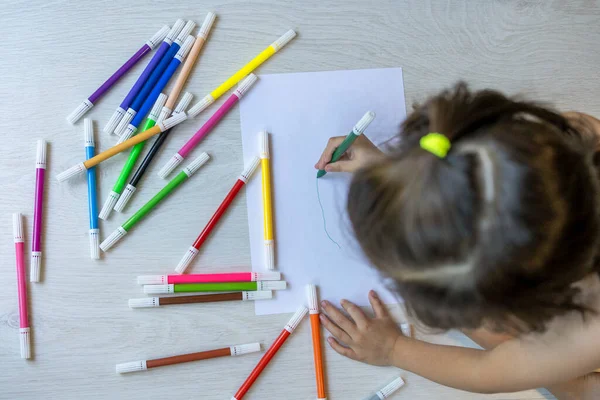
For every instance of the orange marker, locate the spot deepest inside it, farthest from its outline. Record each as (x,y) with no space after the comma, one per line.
(315,325)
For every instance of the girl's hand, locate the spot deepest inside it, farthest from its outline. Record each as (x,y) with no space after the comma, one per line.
(361,153)
(362,338)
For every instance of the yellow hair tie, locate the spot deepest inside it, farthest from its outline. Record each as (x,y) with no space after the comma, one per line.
(435,143)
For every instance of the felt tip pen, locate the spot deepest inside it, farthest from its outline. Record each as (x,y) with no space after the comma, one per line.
(358,130)
(121,231)
(158,71)
(208,126)
(88,132)
(315,326)
(117,189)
(137,86)
(192,252)
(387,390)
(151,302)
(24,328)
(269,354)
(208,278)
(266,196)
(137,175)
(113,151)
(215,287)
(36,244)
(160,85)
(244,71)
(231,351)
(88,103)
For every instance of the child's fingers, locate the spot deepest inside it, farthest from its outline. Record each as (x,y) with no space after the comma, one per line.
(345,351)
(334,329)
(332,144)
(355,312)
(340,166)
(378,308)
(340,319)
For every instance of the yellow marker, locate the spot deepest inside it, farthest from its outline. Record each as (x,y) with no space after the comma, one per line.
(266,195)
(238,76)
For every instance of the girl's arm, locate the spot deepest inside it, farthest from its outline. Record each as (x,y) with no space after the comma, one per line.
(565,352)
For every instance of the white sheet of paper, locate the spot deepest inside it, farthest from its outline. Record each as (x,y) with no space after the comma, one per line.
(301,111)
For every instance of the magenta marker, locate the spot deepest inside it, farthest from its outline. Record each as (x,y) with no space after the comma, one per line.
(36,244)
(24,329)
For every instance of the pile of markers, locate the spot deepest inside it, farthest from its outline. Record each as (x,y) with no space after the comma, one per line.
(146,112)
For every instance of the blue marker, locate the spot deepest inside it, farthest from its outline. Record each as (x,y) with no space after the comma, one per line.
(137,86)
(88,130)
(141,97)
(160,85)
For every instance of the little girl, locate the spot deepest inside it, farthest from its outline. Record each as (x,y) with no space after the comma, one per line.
(486,218)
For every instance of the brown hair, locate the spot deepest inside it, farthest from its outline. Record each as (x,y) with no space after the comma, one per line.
(496,233)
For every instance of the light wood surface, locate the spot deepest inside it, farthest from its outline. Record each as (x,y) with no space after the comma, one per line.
(56,53)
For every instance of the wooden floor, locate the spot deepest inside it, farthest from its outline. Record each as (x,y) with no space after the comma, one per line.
(55,53)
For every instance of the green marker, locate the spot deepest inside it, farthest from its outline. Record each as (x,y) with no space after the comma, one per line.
(358,130)
(215,287)
(146,208)
(118,187)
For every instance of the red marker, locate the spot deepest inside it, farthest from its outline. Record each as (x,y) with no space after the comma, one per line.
(264,361)
(192,252)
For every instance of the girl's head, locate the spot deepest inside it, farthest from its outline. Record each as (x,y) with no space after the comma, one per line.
(495,233)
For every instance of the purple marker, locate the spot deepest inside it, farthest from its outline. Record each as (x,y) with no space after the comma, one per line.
(164,46)
(88,103)
(36,243)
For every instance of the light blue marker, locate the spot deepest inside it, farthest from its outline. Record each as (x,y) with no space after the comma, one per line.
(387,390)
(88,130)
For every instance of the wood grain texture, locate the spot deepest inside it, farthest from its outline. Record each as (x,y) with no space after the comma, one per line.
(56,53)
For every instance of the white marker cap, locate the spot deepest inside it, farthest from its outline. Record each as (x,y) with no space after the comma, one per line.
(245,85)
(271,285)
(159,289)
(184,102)
(158,37)
(283,40)
(40,158)
(244,349)
(71,172)
(185,32)
(263,144)
(207,25)
(79,111)
(152,279)
(125,197)
(187,259)
(296,319)
(406,329)
(257,295)
(175,30)
(127,134)
(36,265)
(390,388)
(185,48)
(201,105)
(265,276)
(124,123)
(108,205)
(196,164)
(18,228)
(270,254)
(365,121)
(25,342)
(113,238)
(94,244)
(145,302)
(158,105)
(88,133)
(133,366)
(171,122)
(249,170)
(170,166)
(312,299)
(112,123)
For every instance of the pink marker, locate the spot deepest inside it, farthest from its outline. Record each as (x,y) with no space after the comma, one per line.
(36,244)
(208,126)
(208,278)
(24,329)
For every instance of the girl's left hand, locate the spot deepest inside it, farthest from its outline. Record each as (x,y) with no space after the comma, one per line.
(362,338)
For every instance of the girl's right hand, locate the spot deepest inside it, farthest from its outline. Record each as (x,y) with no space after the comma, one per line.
(361,153)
